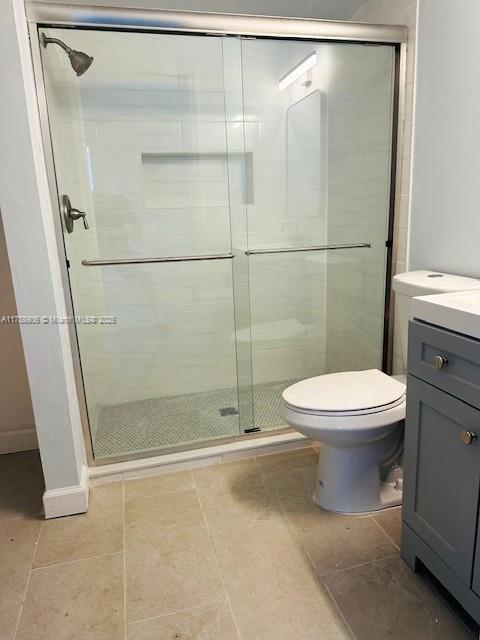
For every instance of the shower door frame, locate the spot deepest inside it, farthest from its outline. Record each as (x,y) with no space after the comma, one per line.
(47,14)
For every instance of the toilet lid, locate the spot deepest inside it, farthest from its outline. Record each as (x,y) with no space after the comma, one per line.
(345,391)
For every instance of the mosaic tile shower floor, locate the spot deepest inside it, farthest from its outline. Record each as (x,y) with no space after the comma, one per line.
(156,423)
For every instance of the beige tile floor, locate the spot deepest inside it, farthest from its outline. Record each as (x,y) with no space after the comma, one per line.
(235,551)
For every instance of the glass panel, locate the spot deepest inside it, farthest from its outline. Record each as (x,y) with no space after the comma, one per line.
(318,124)
(140,144)
(165,373)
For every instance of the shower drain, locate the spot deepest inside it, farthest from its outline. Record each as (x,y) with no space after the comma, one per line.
(228,411)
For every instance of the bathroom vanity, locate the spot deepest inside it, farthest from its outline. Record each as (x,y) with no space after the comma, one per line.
(441,515)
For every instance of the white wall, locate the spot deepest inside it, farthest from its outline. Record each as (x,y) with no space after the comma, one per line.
(445,224)
(28,222)
(17,429)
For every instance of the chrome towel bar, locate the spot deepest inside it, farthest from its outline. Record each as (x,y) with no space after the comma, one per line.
(104,263)
(325,247)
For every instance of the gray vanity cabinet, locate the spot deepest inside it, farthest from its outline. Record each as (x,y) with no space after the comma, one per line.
(442,460)
(442,474)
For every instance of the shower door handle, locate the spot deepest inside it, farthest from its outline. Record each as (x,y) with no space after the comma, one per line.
(164,259)
(322,247)
(70,214)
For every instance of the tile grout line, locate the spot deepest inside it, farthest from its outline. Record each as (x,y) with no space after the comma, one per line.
(385,533)
(364,564)
(220,572)
(59,564)
(175,613)
(157,493)
(320,579)
(338,609)
(124,563)
(300,466)
(17,625)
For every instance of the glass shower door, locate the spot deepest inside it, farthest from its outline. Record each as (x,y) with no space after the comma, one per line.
(140,145)
(237,196)
(318,122)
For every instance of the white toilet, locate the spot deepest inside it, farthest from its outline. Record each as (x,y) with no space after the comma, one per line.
(358,416)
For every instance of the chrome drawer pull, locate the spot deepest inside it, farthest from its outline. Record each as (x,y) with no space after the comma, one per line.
(468,437)
(440,362)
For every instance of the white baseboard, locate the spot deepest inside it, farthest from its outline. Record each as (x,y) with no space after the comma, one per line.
(22,438)
(67,501)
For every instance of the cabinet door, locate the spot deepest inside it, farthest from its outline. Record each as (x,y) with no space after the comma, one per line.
(442,474)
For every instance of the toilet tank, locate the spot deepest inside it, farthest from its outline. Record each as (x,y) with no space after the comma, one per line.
(422,283)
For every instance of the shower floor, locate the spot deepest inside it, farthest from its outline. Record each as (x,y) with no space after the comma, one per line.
(156,423)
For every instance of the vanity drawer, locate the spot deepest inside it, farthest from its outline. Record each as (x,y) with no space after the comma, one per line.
(447,360)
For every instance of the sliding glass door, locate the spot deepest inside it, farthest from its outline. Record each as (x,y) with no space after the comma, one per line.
(318,122)
(140,145)
(224,206)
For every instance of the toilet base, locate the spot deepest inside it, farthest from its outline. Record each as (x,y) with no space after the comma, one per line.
(349,479)
(389,497)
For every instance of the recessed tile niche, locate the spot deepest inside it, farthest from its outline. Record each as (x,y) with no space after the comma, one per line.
(196,180)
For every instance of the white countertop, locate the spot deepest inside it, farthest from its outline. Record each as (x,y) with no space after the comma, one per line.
(458,311)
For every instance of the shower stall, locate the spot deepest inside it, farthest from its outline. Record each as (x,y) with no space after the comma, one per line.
(225,190)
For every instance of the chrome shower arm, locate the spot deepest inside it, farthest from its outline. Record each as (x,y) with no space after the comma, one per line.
(46,40)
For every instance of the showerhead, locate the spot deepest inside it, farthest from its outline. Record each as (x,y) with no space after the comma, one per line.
(80,61)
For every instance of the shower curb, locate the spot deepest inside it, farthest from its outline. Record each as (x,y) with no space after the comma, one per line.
(182,460)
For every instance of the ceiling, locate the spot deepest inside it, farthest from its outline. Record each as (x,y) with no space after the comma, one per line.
(323,9)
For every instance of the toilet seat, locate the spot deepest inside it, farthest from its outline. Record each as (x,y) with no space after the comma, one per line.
(342,414)
(349,393)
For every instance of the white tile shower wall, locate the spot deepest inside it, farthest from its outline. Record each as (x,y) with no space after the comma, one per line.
(175,330)
(399,12)
(287,329)
(360,100)
(287,291)
(355,89)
